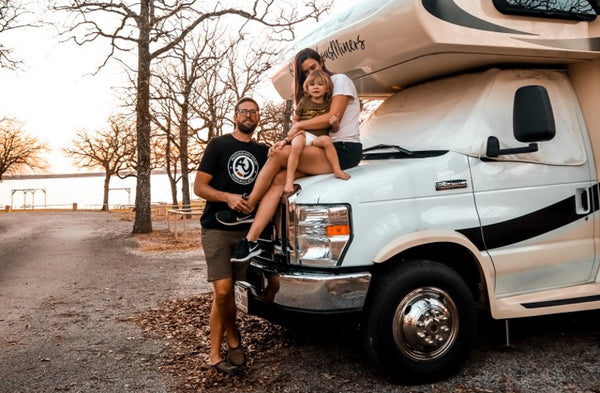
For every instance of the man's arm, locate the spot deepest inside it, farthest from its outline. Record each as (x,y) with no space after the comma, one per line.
(203,189)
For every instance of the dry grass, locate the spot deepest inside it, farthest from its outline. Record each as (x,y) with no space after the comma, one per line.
(163,240)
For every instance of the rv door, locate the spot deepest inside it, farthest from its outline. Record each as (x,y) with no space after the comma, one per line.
(536,218)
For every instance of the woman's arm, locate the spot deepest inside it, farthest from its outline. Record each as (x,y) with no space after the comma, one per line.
(337,108)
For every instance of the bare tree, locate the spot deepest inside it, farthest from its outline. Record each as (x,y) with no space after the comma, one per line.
(231,76)
(146,27)
(167,146)
(273,120)
(197,86)
(575,6)
(112,149)
(367,107)
(17,149)
(11,18)
(175,96)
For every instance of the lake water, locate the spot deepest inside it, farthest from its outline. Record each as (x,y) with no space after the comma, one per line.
(87,192)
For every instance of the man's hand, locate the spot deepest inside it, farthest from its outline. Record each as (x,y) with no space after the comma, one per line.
(238,203)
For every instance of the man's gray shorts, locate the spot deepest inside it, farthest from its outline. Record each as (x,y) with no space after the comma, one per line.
(218,246)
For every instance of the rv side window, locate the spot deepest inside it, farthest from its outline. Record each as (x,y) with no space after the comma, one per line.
(559,9)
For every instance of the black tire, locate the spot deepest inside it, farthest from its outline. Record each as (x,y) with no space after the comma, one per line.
(420,322)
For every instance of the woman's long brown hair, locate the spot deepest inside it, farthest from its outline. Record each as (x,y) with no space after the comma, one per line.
(298,76)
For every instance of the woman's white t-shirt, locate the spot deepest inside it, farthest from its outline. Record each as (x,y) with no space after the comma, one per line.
(348,131)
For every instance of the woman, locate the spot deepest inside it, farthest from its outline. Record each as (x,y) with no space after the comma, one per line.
(271,179)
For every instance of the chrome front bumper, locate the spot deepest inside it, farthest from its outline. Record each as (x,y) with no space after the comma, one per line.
(308,290)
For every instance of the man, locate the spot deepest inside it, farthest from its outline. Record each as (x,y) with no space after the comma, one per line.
(227,171)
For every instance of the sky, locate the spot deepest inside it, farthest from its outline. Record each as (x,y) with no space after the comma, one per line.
(55,93)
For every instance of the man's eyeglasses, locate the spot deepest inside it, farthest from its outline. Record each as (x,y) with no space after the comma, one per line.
(244,112)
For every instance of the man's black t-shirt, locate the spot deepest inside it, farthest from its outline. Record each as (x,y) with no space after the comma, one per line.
(234,166)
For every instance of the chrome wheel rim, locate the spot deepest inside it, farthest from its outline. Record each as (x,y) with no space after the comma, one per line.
(425,324)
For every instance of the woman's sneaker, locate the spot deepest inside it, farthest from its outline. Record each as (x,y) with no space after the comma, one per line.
(233,218)
(245,251)
(277,245)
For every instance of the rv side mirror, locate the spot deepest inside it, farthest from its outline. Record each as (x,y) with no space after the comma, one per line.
(533,120)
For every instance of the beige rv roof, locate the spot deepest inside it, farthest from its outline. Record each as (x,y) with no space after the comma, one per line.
(385,45)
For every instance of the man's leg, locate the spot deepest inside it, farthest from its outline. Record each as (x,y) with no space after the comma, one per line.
(222,319)
(218,246)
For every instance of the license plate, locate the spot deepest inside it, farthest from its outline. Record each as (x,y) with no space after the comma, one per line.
(241,295)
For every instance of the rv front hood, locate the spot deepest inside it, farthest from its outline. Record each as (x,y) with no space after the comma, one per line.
(381,180)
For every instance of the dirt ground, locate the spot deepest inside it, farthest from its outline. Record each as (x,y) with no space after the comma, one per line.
(87,307)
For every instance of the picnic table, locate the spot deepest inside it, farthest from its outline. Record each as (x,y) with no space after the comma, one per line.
(183,215)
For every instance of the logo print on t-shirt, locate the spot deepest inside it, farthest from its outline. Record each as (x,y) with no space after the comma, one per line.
(243,167)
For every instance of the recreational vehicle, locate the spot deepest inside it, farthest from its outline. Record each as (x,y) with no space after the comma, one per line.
(478,188)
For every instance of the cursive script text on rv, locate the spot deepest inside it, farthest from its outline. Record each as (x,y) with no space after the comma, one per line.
(338,49)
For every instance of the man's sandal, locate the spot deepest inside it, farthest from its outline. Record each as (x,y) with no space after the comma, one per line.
(236,356)
(224,367)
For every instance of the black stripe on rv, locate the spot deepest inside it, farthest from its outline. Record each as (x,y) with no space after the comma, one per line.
(562,302)
(448,11)
(588,44)
(530,225)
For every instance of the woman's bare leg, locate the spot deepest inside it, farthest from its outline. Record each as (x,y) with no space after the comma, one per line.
(297,144)
(272,167)
(312,161)
(325,143)
(267,207)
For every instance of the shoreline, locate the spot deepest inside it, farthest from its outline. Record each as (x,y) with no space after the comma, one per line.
(68,175)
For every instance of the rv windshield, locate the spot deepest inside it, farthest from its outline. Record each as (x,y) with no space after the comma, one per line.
(459,114)
(559,9)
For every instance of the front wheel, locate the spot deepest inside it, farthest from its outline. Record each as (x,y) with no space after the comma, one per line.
(421,321)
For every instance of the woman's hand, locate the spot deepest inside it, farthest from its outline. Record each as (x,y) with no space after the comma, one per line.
(334,120)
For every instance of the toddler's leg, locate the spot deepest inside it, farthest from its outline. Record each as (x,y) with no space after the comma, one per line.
(325,143)
(297,145)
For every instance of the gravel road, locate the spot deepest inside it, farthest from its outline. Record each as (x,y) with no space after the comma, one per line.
(84,310)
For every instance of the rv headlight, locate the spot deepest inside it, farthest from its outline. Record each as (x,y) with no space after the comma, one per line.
(319,234)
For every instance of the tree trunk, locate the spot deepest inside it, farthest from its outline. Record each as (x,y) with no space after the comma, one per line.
(287,119)
(106,190)
(143,219)
(171,173)
(183,153)
(175,203)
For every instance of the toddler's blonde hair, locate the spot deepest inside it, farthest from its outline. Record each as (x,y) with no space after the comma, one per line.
(319,74)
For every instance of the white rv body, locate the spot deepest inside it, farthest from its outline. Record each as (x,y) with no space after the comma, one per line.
(385,45)
(516,222)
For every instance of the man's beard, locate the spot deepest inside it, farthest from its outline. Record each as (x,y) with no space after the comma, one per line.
(246,129)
